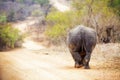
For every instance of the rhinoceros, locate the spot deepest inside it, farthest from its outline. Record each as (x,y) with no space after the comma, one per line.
(81,41)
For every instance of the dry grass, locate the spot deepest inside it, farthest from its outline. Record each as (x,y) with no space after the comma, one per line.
(107,55)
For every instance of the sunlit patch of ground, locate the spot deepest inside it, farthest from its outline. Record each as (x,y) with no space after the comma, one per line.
(32,45)
(60,5)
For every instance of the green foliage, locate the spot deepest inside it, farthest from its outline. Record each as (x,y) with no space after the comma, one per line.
(98,14)
(8,35)
(56,31)
(59,23)
(92,13)
(42,2)
(3,19)
(115,4)
(59,17)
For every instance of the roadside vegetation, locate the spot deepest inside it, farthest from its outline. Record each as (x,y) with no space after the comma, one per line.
(102,15)
(11,37)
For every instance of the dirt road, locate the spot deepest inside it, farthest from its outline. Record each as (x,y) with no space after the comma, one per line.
(50,64)
(24,65)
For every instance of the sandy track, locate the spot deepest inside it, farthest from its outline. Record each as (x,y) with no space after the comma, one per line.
(24,64)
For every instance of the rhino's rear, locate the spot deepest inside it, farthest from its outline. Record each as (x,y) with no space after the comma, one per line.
(81,41)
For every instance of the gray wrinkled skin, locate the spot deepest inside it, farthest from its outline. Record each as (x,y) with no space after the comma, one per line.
(81,41)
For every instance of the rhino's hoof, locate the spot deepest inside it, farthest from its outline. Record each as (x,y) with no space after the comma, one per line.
(87,67)
(78,65)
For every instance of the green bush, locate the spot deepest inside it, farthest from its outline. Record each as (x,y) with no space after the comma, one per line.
(92,13)
(59,17)
(60,20)
(56,31)
(8,36)
(59,23)
(3,19)
(115,5)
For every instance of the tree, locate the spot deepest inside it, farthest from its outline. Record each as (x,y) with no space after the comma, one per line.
(115,4)
(92,13)
(99,15)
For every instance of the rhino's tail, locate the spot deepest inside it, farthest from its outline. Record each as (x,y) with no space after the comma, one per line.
(83,41)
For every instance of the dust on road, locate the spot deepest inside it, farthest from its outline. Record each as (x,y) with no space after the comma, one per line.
(49,64)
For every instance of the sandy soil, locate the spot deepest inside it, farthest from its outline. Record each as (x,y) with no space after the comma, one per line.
(56,63)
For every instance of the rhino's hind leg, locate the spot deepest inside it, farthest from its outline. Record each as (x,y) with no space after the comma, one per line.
(86,60)
(77,58)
